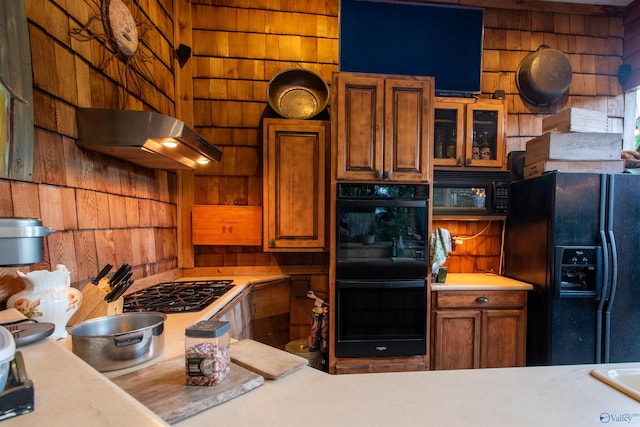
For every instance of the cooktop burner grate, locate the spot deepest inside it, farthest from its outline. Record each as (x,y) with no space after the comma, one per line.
(177,297)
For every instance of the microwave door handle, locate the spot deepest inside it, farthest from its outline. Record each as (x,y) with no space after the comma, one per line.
(494,193)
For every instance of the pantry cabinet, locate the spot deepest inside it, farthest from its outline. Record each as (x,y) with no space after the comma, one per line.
(382,126)
(294,199)
(469,133)
(478,329)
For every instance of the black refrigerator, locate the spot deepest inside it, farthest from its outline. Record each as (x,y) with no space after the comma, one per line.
(576,238)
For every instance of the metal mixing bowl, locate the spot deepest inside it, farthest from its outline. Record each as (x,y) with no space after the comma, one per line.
(297,93)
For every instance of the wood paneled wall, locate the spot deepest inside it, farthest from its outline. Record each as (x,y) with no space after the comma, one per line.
(104,210)
(481,248)
(593,44)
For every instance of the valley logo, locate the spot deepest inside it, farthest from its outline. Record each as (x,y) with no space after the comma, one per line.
(626,418)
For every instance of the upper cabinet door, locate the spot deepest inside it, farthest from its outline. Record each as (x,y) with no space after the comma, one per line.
(485,134)
(407,132)
(294,207)
(448,130)
(382,127)
(360,103)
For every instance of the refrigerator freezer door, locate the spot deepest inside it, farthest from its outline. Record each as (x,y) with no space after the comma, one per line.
(622,314)
(553,210)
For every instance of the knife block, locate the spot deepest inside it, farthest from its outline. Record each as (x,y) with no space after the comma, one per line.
(93,305)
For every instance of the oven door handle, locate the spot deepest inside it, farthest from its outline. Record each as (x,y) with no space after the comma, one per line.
(380,284)
(376,203)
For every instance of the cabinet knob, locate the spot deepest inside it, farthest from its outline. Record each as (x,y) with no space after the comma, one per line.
(378,174)
(468,161)
(272,243)
(482,299)
(459,161)
(387,175)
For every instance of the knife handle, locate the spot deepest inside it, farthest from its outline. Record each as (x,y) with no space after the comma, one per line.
(102,273)
(118,283)
(121,289)
(124,278)
(118,275)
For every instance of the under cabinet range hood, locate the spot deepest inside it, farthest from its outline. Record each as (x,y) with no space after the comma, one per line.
(146,138)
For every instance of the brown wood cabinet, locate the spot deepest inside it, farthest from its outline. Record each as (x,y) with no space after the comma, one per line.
(478,329)
(382,126)
(294,208)
(469,133)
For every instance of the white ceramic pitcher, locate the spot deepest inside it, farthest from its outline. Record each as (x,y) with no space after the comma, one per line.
(48,297)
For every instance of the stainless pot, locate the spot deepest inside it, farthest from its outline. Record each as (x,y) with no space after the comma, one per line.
(21,240)
(543,76)
(119,341)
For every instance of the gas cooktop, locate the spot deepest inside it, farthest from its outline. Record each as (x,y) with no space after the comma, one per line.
(177,297)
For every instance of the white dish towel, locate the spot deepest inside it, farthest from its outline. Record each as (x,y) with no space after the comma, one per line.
(439,248)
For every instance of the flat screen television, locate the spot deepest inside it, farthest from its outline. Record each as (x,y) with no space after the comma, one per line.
(414,39)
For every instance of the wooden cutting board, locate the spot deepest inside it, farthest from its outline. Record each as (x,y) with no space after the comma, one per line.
(162,388)
(270,362)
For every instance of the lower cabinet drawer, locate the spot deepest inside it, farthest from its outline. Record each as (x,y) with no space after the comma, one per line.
(479,299)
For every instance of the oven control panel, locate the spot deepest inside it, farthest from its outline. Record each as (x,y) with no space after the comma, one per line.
(383,191)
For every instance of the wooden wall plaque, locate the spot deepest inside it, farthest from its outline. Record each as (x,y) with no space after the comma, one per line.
(226,225)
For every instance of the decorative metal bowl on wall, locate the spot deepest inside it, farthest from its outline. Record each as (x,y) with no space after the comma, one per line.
(297,93)
(543,76)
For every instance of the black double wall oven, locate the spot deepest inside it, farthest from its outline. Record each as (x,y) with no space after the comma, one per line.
(381,267)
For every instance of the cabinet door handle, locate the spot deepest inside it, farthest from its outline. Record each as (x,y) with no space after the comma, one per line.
(459,162)
(378,174)
(469,161)
(482,300)
(387,175)
(272,243)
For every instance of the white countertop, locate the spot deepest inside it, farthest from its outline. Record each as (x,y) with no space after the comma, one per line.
(541,396)
(69,392)
(479,282)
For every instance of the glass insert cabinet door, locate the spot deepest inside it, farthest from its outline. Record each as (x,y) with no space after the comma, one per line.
(484,130)
(448,131)
(469,133)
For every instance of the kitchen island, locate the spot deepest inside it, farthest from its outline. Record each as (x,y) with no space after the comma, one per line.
(70,392)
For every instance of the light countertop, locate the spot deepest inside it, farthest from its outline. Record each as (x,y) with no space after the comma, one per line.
(540,396)
(70,392)
(479,282)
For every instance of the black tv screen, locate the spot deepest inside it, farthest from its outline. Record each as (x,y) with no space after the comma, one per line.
(414,39)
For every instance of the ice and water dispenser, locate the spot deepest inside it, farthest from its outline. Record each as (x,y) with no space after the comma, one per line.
(578,271)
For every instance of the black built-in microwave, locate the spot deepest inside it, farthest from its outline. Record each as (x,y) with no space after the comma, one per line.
(471,192)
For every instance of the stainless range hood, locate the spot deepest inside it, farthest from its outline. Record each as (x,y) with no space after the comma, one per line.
(146,138)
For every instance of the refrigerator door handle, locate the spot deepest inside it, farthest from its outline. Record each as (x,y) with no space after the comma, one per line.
(614,273)
(605,269)
(612,296)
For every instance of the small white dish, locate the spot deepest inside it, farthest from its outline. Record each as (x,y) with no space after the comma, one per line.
(626,380)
